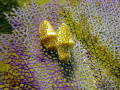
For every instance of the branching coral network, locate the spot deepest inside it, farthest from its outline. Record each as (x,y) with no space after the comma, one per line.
(68,46)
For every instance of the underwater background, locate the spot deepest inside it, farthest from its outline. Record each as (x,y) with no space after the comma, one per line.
(81,52)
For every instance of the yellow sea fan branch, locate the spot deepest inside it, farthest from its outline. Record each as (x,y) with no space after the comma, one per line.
(82,32)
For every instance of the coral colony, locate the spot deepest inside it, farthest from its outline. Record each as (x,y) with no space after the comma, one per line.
(70,46)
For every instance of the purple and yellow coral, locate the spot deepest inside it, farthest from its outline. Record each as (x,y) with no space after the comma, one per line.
(94,62)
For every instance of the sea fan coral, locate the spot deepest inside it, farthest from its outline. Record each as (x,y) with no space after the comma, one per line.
(94,58)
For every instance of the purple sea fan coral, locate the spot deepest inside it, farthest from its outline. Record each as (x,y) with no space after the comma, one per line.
(32,67)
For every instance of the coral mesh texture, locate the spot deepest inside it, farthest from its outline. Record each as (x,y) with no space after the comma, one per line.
(94,62)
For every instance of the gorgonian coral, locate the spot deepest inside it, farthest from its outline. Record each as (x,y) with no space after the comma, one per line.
(94,62)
